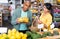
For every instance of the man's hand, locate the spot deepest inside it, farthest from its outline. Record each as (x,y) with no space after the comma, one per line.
(17,20)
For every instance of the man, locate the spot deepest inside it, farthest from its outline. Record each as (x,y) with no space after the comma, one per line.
(22,12)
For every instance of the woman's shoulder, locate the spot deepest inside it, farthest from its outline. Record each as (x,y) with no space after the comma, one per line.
(49,15)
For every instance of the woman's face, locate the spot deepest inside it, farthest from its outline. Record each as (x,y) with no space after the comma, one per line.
(45,9)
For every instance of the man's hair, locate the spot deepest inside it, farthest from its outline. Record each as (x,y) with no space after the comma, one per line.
(28,1)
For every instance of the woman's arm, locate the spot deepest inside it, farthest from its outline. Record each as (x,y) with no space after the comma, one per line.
(48,21)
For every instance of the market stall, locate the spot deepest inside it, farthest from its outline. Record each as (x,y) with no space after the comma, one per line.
(14,34)
(36,30)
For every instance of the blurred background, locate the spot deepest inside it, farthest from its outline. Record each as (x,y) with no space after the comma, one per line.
(6,6)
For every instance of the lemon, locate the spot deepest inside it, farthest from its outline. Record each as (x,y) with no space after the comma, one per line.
(17,35)
(13,34)
(25,35)
(9,31)
(12,37)
(58,0)
(26,19)
(2,38)
(14,30)
(21,34)
(24,38)
(20,19)
(9,35)
(4,35)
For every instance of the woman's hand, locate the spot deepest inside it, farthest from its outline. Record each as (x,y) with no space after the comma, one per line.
(40,22)
(45,26)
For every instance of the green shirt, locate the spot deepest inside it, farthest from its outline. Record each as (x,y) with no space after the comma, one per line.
(23,26)
(18,13)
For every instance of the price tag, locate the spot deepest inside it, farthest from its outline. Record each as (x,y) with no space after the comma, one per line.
(52,26)
(40,26)
(3,30)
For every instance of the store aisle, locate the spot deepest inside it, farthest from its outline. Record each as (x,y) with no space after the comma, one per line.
(7,24)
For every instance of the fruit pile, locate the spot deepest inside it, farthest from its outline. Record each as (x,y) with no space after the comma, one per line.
(13,34)
(35,35)
(34,10)
(23,19)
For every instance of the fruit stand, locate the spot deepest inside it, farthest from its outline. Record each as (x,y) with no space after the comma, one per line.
(35,33)
(45,35)
(14,34)
(51,34)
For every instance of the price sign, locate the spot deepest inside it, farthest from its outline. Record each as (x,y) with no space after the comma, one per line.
(3,30)
(52,26)
(40,26)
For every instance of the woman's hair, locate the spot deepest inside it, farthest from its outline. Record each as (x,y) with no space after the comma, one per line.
(49,7)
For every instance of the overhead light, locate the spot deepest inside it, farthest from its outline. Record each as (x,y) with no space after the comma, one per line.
(3,1)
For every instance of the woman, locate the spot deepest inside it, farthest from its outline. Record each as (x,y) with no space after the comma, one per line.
(46,16)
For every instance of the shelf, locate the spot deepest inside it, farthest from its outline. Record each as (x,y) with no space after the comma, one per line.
(0,18)
(0,23)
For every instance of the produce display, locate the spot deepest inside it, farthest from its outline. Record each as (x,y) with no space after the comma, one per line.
(47,34)
(33,35)
(34,11)
(13,34)
(23,19)
(36,35)
(58,1)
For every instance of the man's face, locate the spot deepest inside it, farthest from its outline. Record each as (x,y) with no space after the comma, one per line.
(26,6)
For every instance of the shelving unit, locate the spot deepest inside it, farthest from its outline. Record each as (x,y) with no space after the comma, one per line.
(0,18)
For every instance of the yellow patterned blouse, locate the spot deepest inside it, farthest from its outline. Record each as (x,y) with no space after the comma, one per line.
(46,19)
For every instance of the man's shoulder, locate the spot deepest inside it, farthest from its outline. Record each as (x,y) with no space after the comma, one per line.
(18,9)
(29,11)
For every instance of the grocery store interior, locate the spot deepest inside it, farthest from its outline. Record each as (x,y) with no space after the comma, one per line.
(36,7)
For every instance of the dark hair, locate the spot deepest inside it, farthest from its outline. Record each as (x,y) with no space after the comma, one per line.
(49,7)
(11,3)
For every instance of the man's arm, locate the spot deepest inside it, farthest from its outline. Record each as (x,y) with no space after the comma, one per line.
(30,19)
(14,17)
